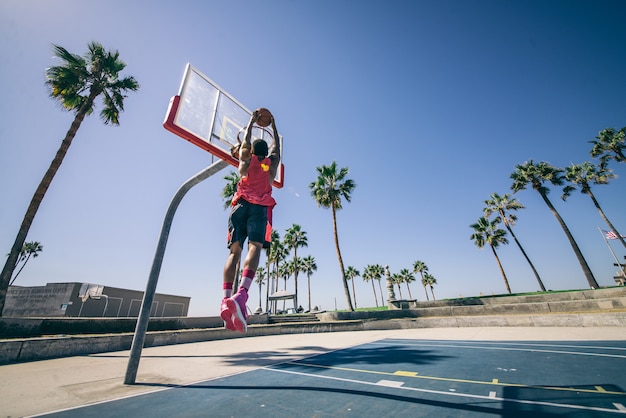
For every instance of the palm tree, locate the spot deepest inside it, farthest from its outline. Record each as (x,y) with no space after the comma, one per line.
(228,192)
(585,174)
(379,271)
(295,237)
(29,249)
(351,273)
(430,281)
(277,254)
(274,240)
(503,205)
(308,267)
(536,175)
(328,190)
(421,268)
(285,270)
(260,280)
(397,279)
(407,277)
(487,232)
(76,84)
(610,145)
(368,275)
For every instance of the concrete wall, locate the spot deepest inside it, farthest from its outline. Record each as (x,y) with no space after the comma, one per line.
(63,300)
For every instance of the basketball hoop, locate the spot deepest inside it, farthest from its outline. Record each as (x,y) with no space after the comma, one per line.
(258,132)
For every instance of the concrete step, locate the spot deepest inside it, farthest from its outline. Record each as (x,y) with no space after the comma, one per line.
(283,319)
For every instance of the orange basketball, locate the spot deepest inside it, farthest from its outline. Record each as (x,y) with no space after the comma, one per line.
(265,117)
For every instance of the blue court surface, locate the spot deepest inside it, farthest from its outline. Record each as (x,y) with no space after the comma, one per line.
(405,378)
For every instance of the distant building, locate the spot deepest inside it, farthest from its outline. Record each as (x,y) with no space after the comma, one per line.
(87,300)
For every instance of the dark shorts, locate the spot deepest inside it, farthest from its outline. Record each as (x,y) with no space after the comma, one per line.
(251,221)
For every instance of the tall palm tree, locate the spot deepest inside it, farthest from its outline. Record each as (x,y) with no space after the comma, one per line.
(430,281)
(397,279)
(503,205)
(368,276)
(583,176)
(351,274)
(610,145)
(487,232)
(274,240)
(536,175)
(30,249)
(295,237)
(421,268)
(407,277)
(278,253)
(308,267)
(259,279)
(378,272)
(76,84)
(328,190)
(285,270)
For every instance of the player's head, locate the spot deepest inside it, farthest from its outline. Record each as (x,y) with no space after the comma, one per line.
(259,148)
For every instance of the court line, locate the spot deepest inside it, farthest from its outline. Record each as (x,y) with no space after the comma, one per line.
(455,380)
(533,350)
(536,344)
(458,394)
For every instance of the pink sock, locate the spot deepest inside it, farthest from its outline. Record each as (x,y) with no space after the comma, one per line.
(248,276)
(228,289)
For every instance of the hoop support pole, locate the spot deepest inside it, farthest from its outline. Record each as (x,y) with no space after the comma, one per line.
(148,297)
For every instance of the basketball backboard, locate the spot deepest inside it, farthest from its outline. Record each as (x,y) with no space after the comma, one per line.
(209,117)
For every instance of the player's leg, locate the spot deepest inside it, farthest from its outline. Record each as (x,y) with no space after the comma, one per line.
(236,236)
(257,222)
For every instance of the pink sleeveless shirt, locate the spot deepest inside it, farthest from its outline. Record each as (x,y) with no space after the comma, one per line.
(256,187)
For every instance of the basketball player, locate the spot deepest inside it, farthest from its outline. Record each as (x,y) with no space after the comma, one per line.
(250,218)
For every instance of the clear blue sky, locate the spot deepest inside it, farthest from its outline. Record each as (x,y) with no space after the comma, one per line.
(430,104)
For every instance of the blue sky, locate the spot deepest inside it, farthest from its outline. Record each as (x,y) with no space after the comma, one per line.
(430,104)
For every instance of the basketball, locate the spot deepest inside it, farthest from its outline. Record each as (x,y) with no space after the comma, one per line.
(265,117)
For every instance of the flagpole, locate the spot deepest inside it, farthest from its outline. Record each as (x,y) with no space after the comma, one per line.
(611,250)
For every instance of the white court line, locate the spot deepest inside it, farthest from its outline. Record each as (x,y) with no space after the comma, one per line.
(527,344)
(532,350)
(463,395)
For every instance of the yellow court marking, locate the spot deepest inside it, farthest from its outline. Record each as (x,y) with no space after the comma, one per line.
(495,382)
(409,374)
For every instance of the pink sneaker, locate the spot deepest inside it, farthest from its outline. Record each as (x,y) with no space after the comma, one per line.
(227,316)
(237,307)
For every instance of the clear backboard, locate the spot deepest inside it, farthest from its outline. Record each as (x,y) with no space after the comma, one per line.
(209,117)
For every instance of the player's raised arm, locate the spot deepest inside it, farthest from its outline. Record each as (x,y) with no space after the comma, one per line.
(274,153)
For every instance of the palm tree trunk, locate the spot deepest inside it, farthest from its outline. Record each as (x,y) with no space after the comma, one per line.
(374,290)
(295,276)
(409,289)
(595,202)
(267,286)
(426,292)
(346,289)
(581,260)
(20,270)
(354,293)
(506,281)
(543,288)
(37,198)
(309,290)
(382,295)
(400,291)
(432,290)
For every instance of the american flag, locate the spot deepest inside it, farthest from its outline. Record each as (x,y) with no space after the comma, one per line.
(611,234)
